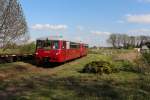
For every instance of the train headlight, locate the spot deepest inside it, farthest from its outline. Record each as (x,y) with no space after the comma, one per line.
(36,53)
(57,53)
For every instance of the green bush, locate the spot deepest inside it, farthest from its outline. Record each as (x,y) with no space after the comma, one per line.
(106,67)
(137,66)
(27,48)
(146,57)
(19,49)
(142,65)
(99,67)
(126,66)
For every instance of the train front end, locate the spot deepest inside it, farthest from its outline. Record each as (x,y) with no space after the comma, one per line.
(47,51)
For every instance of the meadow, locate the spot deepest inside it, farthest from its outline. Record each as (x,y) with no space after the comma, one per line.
(26,81)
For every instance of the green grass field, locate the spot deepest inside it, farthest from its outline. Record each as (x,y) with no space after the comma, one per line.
(23,81)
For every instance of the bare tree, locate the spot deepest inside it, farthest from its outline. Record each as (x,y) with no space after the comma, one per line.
(13,26)
(133,41)
(113,40)
(143,39)
(148,44)
(125,41)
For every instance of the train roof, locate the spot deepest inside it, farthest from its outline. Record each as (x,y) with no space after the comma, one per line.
(59,38)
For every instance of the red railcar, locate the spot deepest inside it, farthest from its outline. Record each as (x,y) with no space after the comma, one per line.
(56,49)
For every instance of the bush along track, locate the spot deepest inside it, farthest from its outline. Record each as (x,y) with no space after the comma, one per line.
(108,67)
(100,67)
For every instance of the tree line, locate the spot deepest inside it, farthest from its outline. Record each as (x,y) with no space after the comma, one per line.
(125,41)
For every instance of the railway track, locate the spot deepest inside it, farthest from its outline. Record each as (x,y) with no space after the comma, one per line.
(8,58)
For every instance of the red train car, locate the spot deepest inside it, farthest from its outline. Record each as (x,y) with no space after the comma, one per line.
(57,49)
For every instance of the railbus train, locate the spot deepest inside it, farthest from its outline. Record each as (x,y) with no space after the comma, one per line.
(56,49)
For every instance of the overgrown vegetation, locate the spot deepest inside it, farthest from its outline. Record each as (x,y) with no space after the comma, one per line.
(146,56)
(108,67)
(66,82)
(27,48)
(125,65)
(20,49)
(100,67)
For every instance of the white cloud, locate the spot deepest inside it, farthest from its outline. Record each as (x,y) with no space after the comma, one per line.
(140,32)
(141,19)
(100,33)
(49,27)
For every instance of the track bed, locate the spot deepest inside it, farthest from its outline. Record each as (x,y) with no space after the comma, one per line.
(8,58)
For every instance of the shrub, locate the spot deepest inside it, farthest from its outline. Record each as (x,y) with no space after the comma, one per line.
(27,48)
(137,66)
(99,67)
(146,57)
(105,67)
(142,66)
(127,66)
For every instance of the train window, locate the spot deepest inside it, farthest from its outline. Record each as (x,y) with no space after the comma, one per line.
(64,45)
(67,45)
(55,44)
(46,44)
(86,46)
(74,45)
(39,44)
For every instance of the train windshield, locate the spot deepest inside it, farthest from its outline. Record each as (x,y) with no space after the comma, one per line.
(47,44)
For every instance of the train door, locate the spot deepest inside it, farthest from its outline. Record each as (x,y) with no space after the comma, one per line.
(81,49)
(64,51)
(67,50)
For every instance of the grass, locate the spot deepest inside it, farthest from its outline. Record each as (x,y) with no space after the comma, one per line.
(65,82)
(104,51)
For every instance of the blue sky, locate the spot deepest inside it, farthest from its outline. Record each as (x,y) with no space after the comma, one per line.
(91,21)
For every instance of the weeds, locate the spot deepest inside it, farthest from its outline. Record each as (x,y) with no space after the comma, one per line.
(100,67)
(64,82)
(146,57)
